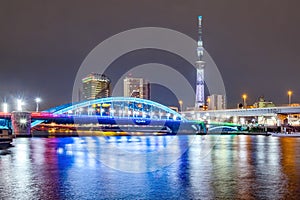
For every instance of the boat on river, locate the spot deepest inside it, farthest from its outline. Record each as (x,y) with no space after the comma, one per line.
(286,134)
(6,137)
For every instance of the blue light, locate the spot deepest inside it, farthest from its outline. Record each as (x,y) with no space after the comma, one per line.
(67,107)
(200,17)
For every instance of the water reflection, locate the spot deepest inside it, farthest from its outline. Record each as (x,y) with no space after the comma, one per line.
(290,166)
(231,167)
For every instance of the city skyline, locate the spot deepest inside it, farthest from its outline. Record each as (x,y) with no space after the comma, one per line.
(255,53)
(149,99)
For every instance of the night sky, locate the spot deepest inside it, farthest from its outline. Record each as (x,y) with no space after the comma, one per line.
(255,43)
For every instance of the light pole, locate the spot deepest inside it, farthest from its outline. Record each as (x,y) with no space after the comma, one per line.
(244,99)
(290,96)
(20,103)
(5,107)
(208,103)
(37,101)
(180,103)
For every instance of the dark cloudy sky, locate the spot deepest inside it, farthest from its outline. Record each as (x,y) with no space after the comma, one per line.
(255,43)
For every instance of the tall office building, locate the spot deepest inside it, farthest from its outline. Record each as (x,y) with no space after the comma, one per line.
(136,87)
(95,86)
(216,102)
(200,64)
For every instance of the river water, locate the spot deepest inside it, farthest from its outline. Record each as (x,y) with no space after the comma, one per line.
(151,167)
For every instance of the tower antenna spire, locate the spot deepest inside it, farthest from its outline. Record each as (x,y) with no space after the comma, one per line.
(200,64)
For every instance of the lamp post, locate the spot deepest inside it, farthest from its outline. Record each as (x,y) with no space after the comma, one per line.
(5,107)
(37,101)
(208,103)
(20,103)
(244,100)
(290,96)
(180,103)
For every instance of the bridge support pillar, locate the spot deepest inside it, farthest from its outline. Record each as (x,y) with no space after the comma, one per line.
(21,123)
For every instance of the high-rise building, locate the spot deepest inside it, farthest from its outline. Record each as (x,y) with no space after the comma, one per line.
(136,87)
(95,86)
(216,102)
(200,64)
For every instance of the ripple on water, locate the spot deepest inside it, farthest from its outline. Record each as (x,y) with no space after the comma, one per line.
(225,167)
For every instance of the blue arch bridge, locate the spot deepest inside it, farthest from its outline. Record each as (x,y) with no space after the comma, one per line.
(116,114)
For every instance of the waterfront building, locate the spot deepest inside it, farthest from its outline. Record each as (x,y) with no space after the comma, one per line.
(200,64)
(136,87)
(216,102)
(95,86)
(262,103)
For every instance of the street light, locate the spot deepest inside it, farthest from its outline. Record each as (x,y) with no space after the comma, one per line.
(5,107)
(20,103)
(37,101)
(290,96)
(244,98)
(180,103)
(208,103)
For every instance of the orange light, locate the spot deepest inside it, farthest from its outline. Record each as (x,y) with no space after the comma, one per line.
(105,105)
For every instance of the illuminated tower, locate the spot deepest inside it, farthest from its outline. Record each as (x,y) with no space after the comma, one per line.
(200,100)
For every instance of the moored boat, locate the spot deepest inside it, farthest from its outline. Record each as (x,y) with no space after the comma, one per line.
(6,137)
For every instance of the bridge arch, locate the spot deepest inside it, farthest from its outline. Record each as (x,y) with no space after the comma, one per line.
(118,107)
